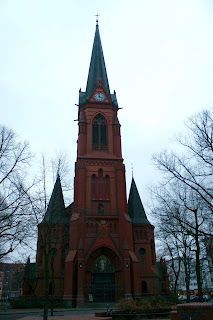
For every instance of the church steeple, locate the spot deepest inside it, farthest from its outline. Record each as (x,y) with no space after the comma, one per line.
(97,67)
(56,212)
(135,206)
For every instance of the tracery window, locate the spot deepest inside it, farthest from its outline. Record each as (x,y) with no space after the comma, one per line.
(99,133)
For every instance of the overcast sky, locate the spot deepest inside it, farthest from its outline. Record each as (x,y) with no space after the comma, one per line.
(159,59)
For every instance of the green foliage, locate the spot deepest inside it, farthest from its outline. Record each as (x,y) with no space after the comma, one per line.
(35,302)
(144,305)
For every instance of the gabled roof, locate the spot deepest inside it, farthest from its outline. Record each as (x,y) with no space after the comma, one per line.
(97,67)
(56,212)
(135,206)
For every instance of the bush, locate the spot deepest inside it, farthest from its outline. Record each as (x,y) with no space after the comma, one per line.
(155,304)
(34,302)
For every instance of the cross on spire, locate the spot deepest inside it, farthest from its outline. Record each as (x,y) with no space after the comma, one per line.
(97,15)
(132,168)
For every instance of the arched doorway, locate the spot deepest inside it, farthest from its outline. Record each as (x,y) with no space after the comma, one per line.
(103,280)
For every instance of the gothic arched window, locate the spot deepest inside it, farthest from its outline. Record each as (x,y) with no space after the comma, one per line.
(93,185)
(107,186)
(152,251)
(100,179)
(99,133)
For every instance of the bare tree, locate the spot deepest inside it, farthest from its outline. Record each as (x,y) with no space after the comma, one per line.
(195,167)
(15,158)
(191,200)
(51,218)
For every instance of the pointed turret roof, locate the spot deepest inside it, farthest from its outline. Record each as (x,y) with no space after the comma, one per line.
(97,67)
(97,71)
(56,212)
(135,206)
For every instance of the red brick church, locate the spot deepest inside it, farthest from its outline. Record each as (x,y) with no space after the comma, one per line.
(103,245)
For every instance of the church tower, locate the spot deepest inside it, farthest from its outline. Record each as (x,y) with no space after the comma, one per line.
(111,252)
(105,246)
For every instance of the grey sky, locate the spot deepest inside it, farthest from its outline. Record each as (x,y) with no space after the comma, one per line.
(159,59)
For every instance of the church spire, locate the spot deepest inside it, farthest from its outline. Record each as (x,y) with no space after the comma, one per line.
(56,212)
(135,206)
(97,67)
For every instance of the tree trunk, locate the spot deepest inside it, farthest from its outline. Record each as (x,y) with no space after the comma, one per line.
(53,285)
(198,268)
(46,301)
(187,276)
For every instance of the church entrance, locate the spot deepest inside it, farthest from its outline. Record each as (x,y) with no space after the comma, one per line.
(103,280)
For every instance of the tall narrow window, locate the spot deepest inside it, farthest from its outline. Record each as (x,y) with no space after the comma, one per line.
(100,178)
(99,133)
(107,186)
(93,186)
(152,251)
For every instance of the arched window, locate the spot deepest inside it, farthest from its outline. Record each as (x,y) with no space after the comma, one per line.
(91,228)
(93,185)
(144,234)
(136,234)
(99,133)
(100,210)
(141,235)
(107,186)
(152,251)
(100,179)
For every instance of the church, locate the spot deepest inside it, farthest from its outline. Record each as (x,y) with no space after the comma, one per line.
(103,246)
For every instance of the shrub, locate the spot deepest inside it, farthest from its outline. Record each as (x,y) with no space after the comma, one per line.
(34,302)
(153,304)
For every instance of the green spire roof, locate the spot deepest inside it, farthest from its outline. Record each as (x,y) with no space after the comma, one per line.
(97,67)
(56,212)
(135,207)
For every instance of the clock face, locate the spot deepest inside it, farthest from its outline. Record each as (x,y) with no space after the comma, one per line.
(99,96)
